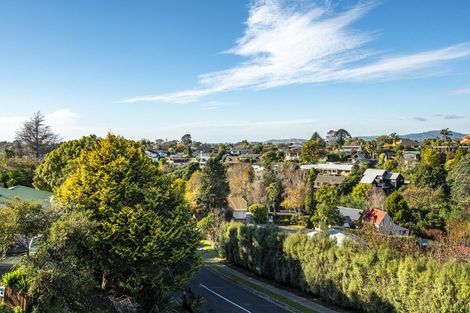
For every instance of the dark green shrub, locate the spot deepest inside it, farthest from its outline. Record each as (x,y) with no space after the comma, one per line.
(351,276)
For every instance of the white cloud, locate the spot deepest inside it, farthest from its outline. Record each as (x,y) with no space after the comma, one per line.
(212,105)
(462,91)
(63,122)
(285,44)
(9,125)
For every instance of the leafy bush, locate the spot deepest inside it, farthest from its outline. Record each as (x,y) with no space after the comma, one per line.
(259,213)
(6,309)
(351,276)
(17,280)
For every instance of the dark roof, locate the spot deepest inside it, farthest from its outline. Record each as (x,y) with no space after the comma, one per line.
(329,179)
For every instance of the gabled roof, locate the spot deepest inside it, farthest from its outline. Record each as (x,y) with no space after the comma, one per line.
(392,176)
(237,203)
(329,179)
(25,194)
(374,215)
(371,174)
(354,214)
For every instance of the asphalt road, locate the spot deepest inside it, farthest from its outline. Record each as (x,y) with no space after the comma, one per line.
(223,296)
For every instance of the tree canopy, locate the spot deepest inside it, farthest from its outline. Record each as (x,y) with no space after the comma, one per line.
(144,243)
(36,137)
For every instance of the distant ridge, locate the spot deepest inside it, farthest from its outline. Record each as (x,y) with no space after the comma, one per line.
(280,141)
(430,134)
(421,136)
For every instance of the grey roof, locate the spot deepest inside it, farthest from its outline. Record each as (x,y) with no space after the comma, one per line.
(328,167)
(371,174)
(329,179)
(353,214)
(392,176)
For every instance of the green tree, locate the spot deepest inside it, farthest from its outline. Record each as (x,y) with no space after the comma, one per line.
(459,181)
(36,137)
(214,186)
(430,157)
(259,213)
(60,162)
(326,214)
(186,140)
(428,176)
(60,274)
(445,134)
(145,242)
(326,210)
(395,137)
(397,208)
(274,194)
(326,194)
(351,180)
(24,221)
(313,149)
(341,135)
(359,193)
(270,157)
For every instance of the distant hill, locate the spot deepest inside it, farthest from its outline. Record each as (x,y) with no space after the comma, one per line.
(291,140)
(420,136)
(430,134)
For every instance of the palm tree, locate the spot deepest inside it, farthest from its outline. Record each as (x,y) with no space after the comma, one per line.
(395,137)
(445,134)
(340,136)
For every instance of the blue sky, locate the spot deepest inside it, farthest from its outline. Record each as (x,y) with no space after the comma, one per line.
(233,70)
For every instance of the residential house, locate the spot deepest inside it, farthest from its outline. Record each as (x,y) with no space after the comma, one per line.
(229,159)
(25,194)
(383,179)
(465,140)
(156,155)
(239,207)
(323,179)
(408,143)
(329,173)
(359,157)
(249,158)
(384,223)
(350,149)
(334,169)
(411,158)
(179,159)
(350,216)
(292,154)
(239,151)
(337,235)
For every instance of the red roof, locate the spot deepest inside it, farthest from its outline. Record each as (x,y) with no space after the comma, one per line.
(374,215)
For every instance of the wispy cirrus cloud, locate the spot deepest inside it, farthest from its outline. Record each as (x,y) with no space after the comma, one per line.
(461,91)
(420,119)
(212,105)
(285,44)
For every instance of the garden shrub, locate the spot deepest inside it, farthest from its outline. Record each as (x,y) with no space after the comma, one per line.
(352,276)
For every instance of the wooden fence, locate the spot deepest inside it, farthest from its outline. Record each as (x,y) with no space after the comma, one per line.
(13,298)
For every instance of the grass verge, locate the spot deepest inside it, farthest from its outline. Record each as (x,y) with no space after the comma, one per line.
(274,296)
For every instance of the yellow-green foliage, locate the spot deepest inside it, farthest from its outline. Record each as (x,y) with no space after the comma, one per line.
(350,276)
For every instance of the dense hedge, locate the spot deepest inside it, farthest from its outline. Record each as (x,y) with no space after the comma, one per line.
(350,276)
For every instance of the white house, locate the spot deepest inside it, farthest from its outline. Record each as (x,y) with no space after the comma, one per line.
(383,223)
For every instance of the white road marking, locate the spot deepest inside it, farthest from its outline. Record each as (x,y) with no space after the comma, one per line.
(242,308)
